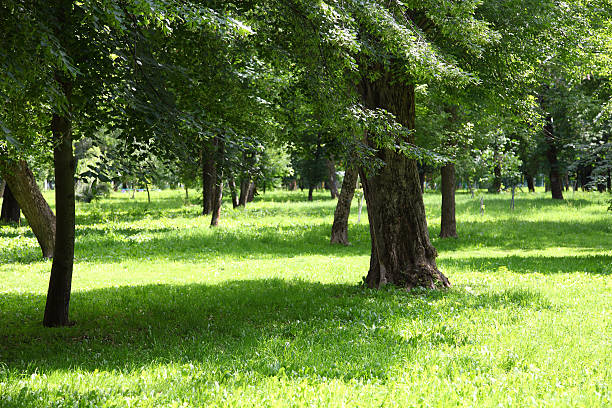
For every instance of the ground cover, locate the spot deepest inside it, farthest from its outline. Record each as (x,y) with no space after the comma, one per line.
(262,311)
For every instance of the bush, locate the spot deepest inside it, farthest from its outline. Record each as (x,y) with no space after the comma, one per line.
(87,192)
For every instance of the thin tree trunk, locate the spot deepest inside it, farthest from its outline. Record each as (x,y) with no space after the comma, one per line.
(209,175)
(186,192)
(33,205)
(232,186)
(148,193)
(218,191)
(310,190)
(251,192)
(333,180)
(402,253)
(339,231)
(58,296)
(448,227)
(11,213)
(556,182)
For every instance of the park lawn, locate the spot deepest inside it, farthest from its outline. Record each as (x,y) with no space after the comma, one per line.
(262,311)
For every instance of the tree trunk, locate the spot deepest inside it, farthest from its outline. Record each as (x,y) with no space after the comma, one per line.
(58,296)
(2,184)
(252,191)
(245,190)
(186,192)
(232,186)
(402,253)
(448,227)
(556,182)
(11,213)
(209,176)
(333,180)
(310,190)
(148,193)
(530,184)
(218,190)
(496,185)
(339,231)
(33,205)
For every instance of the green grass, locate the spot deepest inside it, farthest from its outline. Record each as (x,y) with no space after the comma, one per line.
(262,311)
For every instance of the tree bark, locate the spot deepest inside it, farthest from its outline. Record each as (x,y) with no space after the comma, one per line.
(33,205)
(58,296)
(402,253)
(209,176)
(448,227)
(11,212)
(252,191)
(2,185)
(247,191)
(310,190)
(556,182)
(218,190)
(339,231)
(333,180)
(530,184)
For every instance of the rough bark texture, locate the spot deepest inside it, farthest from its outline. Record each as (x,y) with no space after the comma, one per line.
(530,183)
(33,205)
(402,253)
(448,226)
(333,180)
(556,182)
(339,232)
(209,176)
(11,213)
(58,296)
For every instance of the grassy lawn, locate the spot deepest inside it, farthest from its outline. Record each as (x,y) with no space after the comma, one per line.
(262,311)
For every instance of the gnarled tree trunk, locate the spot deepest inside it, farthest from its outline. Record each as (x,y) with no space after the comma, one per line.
(339,232)
(11,213)
(333,180)
(33,205)
(448,225)
(402,253)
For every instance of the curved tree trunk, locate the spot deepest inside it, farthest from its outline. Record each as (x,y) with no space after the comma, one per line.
(11,213)
(448,227)
(60,282)
(339,231)
(333,180)
(33,205)
(402,253)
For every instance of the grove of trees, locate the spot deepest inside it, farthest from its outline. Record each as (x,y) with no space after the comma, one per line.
(245,96)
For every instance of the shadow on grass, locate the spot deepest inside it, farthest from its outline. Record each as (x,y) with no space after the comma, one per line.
(592,264)
(258,326)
